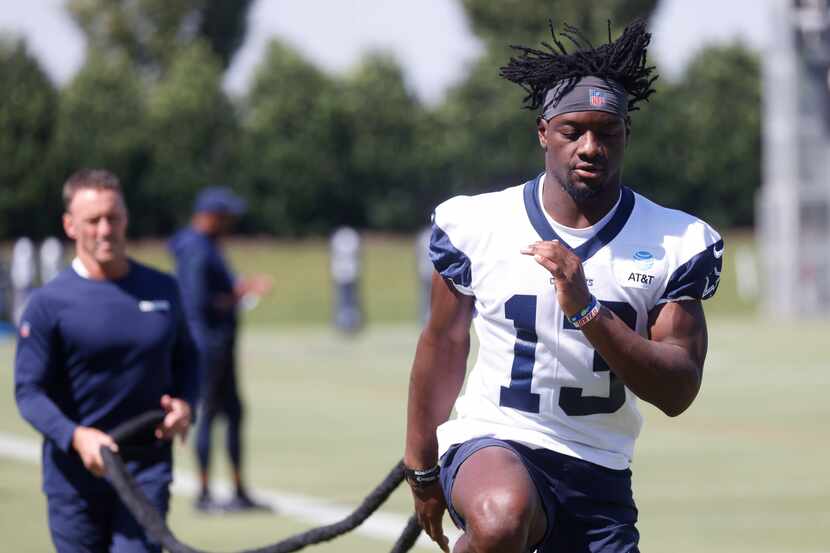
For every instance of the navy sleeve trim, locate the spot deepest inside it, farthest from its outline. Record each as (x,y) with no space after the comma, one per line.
(698,278)
(450,262)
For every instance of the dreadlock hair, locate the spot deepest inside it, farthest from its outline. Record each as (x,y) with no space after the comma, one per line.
(622,60)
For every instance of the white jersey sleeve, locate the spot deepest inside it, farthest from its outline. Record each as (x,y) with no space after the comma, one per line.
(696,259)
(453,234)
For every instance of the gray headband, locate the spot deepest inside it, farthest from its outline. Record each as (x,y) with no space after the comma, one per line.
(588,94)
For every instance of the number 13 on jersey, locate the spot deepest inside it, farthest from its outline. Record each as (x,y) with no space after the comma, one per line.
(521,309)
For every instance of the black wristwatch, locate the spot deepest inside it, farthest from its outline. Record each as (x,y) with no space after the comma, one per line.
(421,478)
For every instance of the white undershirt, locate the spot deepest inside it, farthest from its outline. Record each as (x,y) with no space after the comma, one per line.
(79,267)
(575,237)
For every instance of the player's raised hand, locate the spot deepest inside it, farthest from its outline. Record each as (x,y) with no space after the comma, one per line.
(566,268)
(87,442)
(177,419)
(429,508)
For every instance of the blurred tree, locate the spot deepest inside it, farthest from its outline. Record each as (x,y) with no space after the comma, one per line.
(319,153)
(28,103)
(490,140)
(192,128)
(697,144)
(151,32)
(526,21)
(387,168)
(224,25)
(101,123)
(294,147)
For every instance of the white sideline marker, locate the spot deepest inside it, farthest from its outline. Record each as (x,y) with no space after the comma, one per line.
(382,526)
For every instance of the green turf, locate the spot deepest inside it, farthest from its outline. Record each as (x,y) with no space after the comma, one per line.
(303,289)
(23,521)
(302,278)
(745,470)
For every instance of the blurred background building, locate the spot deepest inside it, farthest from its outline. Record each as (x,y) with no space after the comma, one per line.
(794,208)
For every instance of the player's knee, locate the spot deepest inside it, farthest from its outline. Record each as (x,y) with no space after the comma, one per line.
(500,522)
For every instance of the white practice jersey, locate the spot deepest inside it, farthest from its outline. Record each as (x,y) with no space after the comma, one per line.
(536,379)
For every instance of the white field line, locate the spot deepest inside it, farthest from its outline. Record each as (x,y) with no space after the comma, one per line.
(315,511)
(383,526)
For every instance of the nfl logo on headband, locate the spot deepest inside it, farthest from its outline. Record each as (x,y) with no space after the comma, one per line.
(597,97)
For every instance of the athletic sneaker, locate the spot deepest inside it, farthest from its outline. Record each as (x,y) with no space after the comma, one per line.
(205,503)
(243,502)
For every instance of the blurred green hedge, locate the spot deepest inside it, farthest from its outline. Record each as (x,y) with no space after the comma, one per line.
(312,151)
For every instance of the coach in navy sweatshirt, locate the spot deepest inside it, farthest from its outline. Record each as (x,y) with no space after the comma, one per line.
(103,342)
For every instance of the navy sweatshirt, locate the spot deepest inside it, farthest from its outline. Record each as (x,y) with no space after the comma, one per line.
(96,353)
(204,276)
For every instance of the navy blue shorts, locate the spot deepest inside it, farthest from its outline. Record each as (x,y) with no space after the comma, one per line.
(101,523)
(589,508)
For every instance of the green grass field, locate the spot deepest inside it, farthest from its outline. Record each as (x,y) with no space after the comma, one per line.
(744,470)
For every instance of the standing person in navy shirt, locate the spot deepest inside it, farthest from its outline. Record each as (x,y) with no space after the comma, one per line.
(211,296)
(103,342)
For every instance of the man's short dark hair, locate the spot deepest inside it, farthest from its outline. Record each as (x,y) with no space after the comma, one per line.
(99,179)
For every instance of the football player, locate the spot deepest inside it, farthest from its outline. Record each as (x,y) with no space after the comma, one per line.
(585,296)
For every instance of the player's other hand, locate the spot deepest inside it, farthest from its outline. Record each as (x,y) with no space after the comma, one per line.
(566,268)
(87,442)
(429,508)
(177,419)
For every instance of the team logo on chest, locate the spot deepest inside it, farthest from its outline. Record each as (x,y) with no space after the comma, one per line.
(148,306)
(588,281)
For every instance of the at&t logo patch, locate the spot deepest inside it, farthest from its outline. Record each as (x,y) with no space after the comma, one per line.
(644,259)
(639,267)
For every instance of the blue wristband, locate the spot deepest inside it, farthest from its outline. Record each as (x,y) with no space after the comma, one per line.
(577,317)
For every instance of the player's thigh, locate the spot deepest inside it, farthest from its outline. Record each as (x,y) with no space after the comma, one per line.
(127,535)
(495,496)
(79,524)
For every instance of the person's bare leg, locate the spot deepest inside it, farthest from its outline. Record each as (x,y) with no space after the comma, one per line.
(495,495)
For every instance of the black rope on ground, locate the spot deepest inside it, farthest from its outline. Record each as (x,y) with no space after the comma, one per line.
(156,527)
(408,537)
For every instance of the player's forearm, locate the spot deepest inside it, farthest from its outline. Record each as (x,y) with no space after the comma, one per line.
(436,379)
(663,374)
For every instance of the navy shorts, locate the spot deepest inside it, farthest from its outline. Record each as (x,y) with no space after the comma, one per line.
(589,508)
(101,523)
